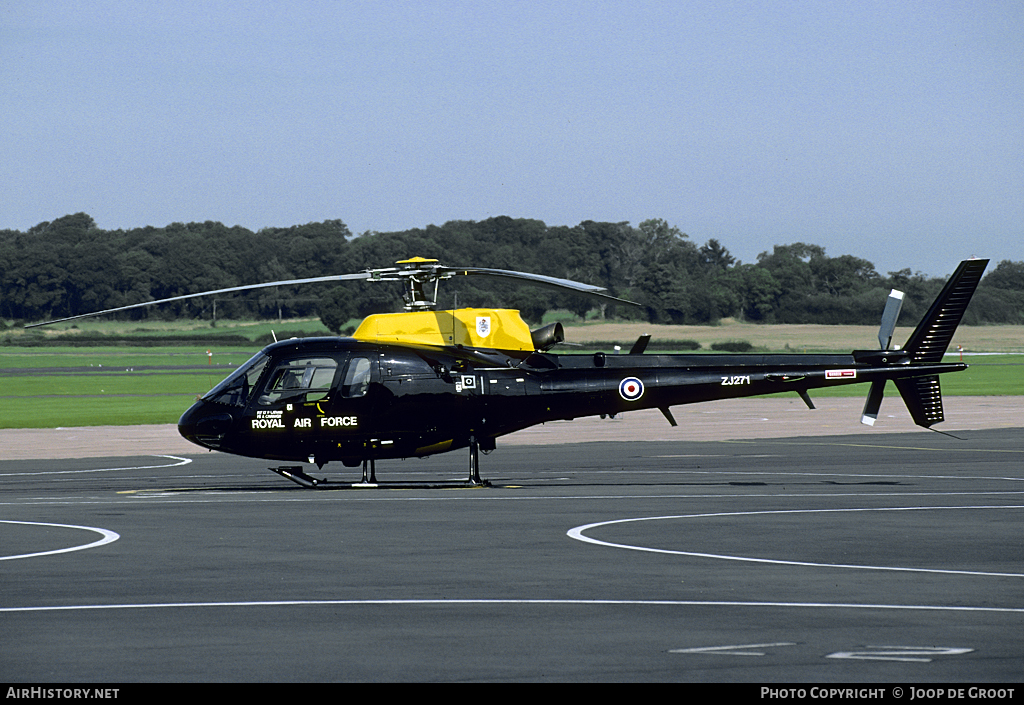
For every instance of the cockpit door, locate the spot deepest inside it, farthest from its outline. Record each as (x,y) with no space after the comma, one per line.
(293,392)
(345,420)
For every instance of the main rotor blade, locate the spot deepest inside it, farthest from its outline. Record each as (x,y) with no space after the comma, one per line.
(541,280)
(421,271)
(247,287)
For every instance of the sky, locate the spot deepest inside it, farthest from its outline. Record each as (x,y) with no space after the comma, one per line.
(891,131)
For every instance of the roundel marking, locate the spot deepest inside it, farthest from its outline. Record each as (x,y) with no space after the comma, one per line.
(631,389)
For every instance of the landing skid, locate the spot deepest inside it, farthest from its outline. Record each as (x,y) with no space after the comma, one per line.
(296,474)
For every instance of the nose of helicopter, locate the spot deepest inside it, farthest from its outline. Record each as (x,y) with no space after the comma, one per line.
(205,426)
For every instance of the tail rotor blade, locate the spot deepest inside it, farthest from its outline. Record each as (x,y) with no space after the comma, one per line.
(892,312)
(873,403)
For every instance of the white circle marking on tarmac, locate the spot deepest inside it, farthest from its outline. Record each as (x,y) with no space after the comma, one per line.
(578,534)
(108,537)
(181,461)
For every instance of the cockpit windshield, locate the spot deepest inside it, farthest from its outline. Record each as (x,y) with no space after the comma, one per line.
(239,385)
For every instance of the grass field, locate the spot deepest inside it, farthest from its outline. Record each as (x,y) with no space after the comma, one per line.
(92,386)
(793,338)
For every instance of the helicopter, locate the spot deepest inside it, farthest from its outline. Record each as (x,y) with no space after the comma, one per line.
(428,381)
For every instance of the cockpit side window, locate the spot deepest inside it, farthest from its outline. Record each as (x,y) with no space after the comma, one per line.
(300,379)
(238,387)
(357,378)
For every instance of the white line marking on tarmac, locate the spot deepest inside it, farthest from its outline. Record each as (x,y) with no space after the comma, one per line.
(916,654)
(764,474)
(108,537)
(578,534)
(732,650)
(463,602)
(946,450)
(286,494)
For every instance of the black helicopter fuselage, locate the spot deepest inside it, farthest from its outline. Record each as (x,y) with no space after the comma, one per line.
(428,380)
(341,399)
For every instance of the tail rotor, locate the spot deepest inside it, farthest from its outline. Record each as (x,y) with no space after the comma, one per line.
(890,315)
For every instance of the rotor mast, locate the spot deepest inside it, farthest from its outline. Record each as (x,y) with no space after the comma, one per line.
(418,271)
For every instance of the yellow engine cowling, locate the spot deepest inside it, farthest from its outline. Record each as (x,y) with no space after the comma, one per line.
(495,328)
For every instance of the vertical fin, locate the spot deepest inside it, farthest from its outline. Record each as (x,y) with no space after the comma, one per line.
(640,345)
(932,336)
(923,397)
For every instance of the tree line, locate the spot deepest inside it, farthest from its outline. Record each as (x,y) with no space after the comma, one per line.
(69,266)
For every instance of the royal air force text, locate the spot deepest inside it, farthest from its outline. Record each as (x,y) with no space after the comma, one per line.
(325,422)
